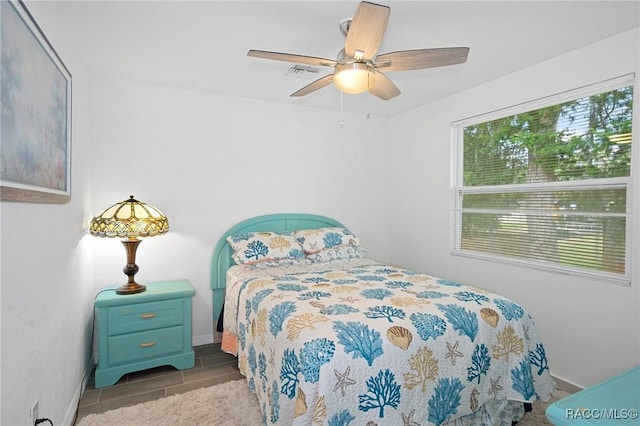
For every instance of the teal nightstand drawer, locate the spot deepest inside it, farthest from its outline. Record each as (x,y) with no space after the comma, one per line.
(145,316)
(146,344)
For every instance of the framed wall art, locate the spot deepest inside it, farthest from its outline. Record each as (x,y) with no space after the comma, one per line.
(35,94)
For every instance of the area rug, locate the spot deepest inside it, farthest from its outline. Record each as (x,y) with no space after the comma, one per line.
(226,404)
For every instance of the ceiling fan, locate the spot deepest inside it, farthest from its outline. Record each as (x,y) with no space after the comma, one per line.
(357,67)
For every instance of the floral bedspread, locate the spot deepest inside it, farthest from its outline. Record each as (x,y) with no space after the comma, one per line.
(370,344)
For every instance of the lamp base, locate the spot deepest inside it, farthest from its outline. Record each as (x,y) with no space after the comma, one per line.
(131,288)
(131,269)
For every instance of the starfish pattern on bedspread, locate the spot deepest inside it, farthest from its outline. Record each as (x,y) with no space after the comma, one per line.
(453,352)
(495,386)
(343,381)
(407,420)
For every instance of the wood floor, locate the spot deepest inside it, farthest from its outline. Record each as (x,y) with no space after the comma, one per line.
(212,367)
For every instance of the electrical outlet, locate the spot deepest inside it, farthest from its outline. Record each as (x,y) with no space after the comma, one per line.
(34,412)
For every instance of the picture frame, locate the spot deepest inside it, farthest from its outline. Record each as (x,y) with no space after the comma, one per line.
(35,127)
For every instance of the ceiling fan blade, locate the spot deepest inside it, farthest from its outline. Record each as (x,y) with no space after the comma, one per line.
(366,30)
(313,86)
(406,60)
(383,87)
(288,57)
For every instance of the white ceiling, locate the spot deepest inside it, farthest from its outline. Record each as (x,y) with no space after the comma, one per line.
(202,45)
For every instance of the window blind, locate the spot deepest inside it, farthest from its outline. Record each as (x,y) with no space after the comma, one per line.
(548,184)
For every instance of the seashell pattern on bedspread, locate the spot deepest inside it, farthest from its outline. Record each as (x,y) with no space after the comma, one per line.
(367,343)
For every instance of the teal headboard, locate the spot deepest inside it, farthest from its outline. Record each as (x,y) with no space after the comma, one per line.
(281,222)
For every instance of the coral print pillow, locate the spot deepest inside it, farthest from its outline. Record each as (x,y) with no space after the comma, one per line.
(258,247)
(315,240)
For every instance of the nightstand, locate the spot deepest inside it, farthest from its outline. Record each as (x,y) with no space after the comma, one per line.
(144,330)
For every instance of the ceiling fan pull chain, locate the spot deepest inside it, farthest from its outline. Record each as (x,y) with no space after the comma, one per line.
(341,111)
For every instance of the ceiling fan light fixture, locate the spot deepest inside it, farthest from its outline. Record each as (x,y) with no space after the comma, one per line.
(353,77)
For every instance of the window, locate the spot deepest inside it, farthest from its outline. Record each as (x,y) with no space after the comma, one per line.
(548,183)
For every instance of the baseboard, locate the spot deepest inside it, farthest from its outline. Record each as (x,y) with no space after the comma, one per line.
(202,340)
(70,415)
(566,386)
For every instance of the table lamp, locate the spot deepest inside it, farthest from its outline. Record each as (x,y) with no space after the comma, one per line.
(130,219)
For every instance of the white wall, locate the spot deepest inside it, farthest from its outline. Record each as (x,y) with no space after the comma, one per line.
(209,161)
(46,282)
(591,329)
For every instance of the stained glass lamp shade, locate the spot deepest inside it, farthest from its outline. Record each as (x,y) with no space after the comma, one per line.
(130,219)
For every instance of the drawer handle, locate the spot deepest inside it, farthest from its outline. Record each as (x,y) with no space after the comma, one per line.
(148,316)
(147,344)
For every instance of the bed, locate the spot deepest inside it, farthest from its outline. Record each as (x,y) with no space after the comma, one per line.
(324,335)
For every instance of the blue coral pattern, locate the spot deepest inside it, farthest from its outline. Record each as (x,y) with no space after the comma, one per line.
(374,343)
